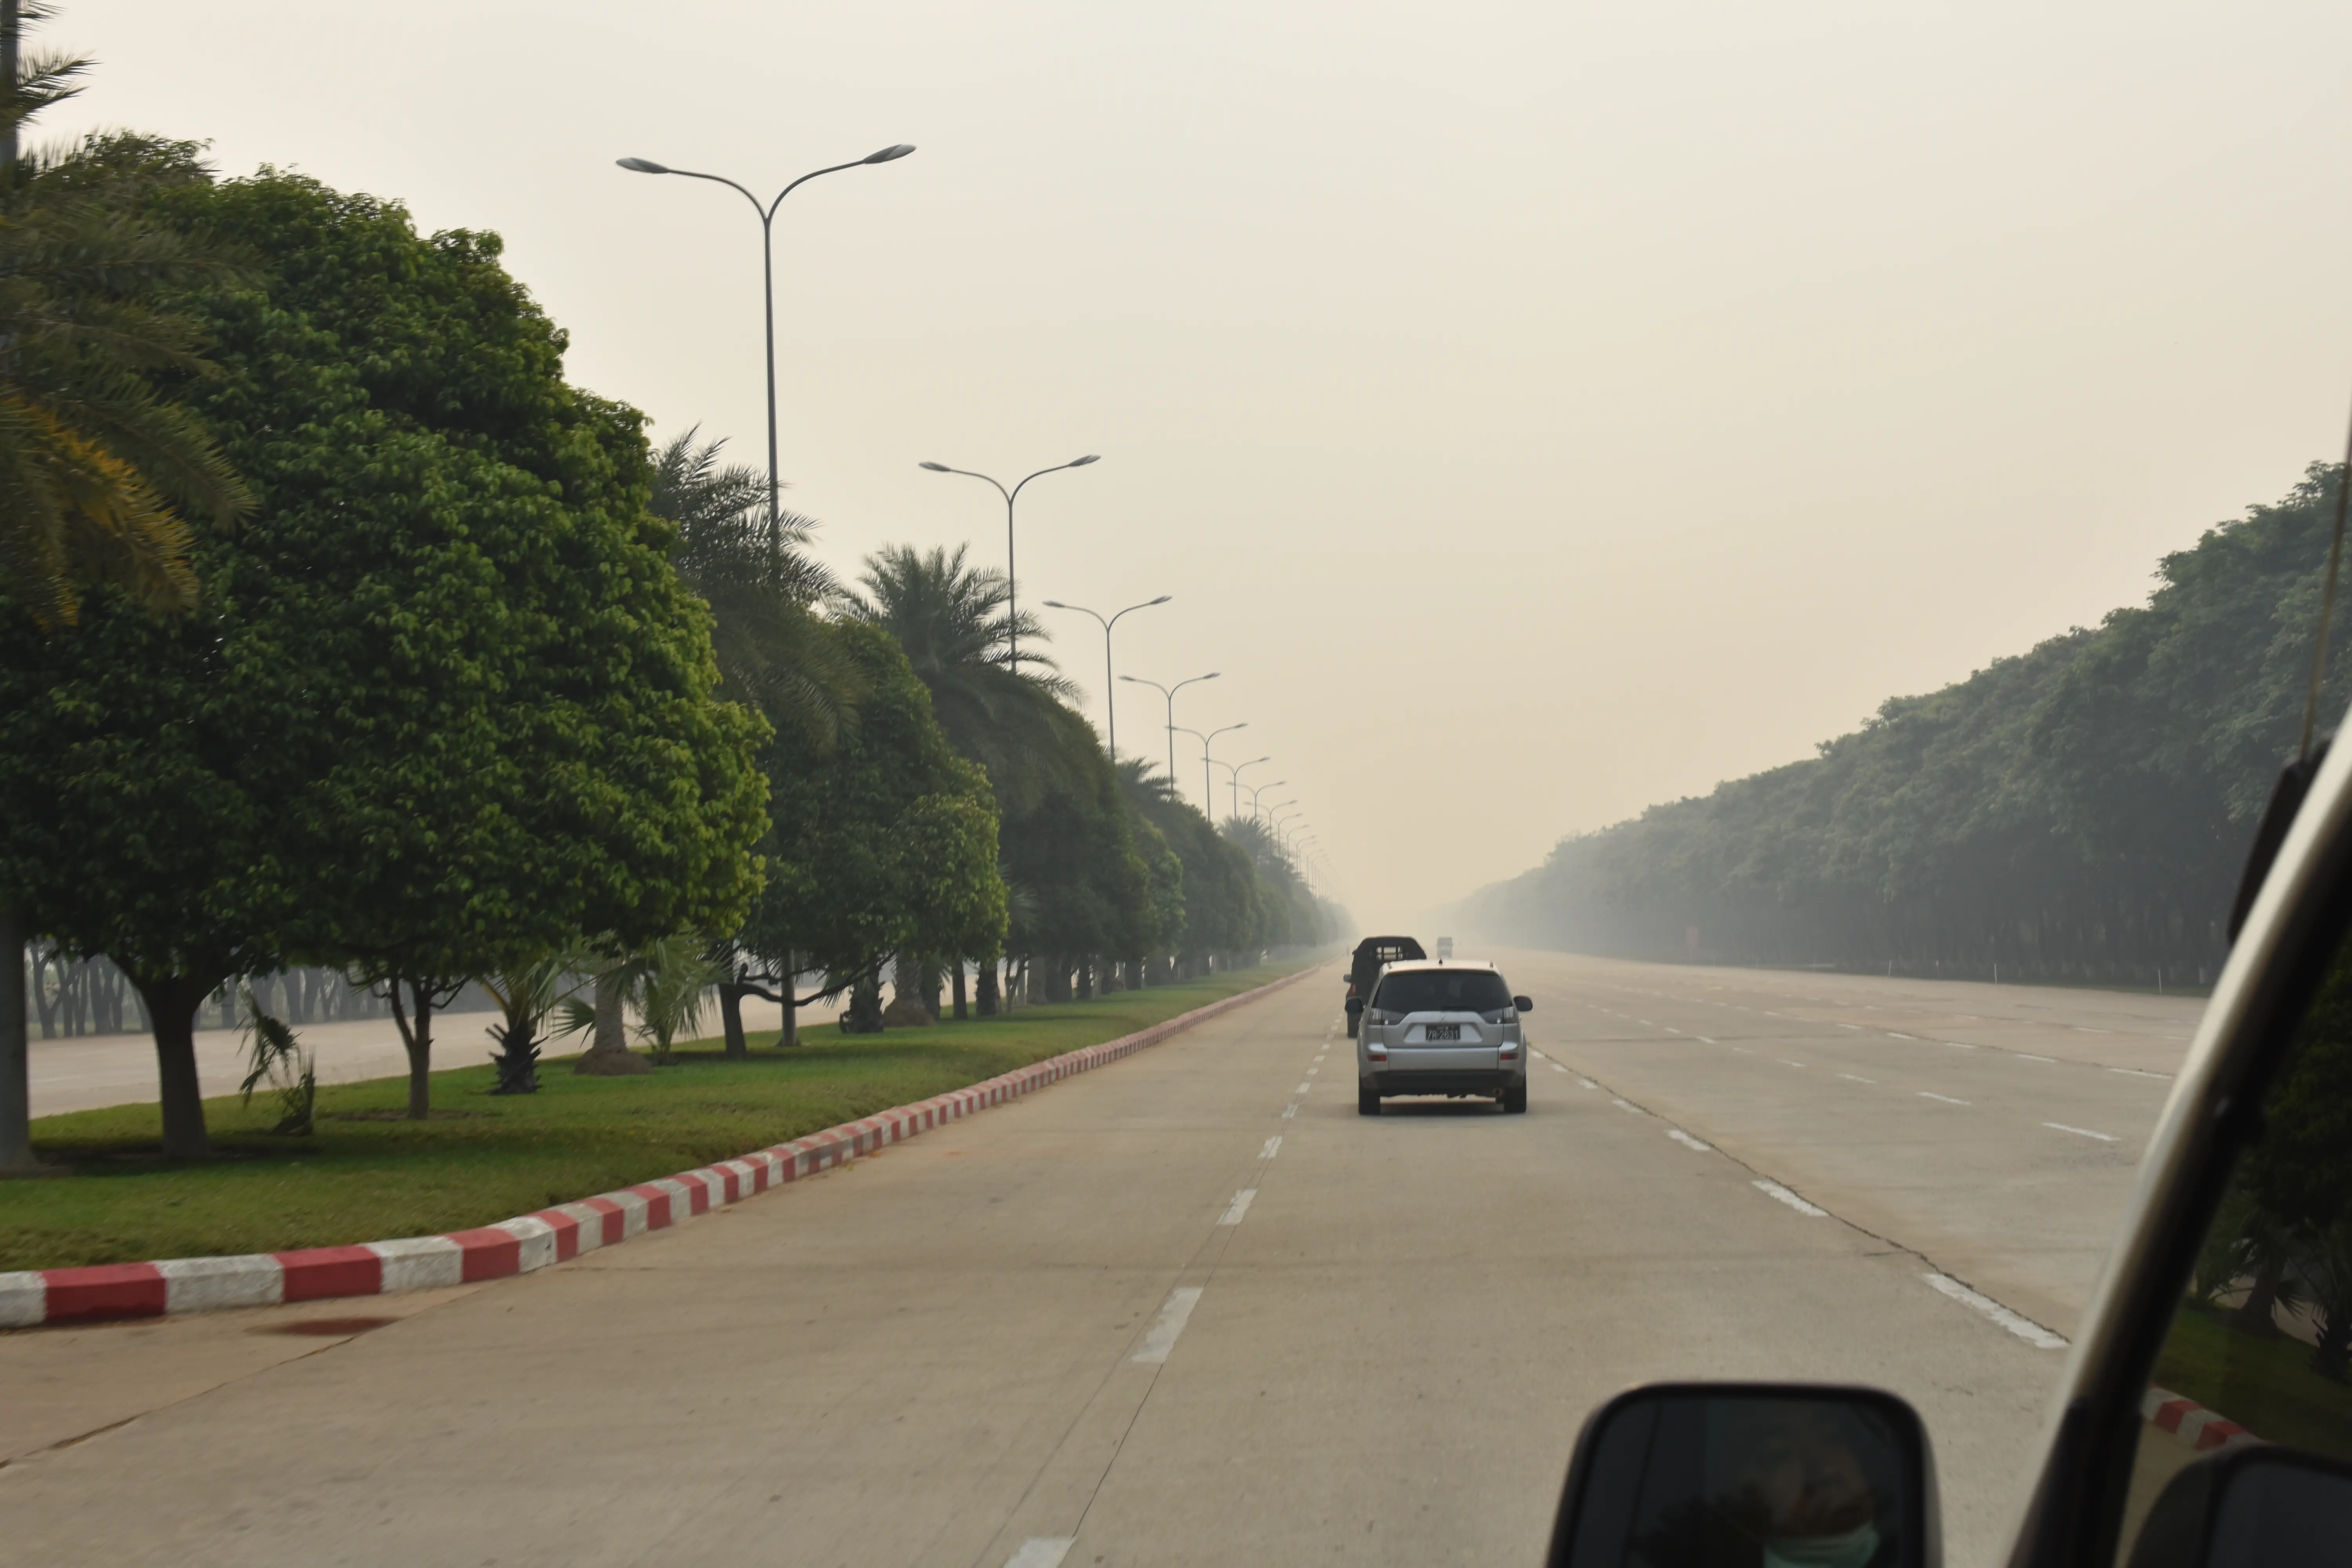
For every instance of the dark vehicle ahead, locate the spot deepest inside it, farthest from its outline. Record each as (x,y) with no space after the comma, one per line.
(1364,967)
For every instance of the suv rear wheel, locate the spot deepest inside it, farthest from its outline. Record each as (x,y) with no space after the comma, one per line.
(1368,1100)
(1515,1100)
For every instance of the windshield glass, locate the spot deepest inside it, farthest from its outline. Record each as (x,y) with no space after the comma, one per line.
(1443,991)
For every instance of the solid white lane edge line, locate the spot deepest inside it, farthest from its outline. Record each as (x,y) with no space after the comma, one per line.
(2081,1132)
(1685,1139)
(1273,1147)
(1948,1100)
(2025,1329)
(1239,1206)
(1775,1190)
(1857,1077)
(1042,1551)
(1174,1313)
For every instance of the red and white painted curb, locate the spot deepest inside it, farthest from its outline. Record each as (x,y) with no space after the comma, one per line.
(2200,1428)
(177,1285)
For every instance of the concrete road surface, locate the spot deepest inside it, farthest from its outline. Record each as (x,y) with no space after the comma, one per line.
(1187,1309)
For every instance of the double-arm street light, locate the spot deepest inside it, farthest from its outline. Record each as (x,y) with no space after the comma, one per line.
(1257,792)
(768,274)
(1234,771)
(1110,707)
(1208,795)
(1170,692)
(1012,584)
(1267,814)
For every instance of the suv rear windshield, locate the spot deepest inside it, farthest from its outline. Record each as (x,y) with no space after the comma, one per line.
(1444,990)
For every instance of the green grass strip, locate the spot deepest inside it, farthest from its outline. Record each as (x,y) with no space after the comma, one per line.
(366,1175)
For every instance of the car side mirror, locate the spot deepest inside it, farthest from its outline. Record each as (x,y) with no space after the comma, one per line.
(1523,1004)
(1790,1475)
(2248,1507)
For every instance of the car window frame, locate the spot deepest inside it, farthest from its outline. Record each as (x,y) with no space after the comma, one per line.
(2299,919)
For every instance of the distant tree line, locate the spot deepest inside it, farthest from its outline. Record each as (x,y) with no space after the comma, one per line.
(343,634)
(2080,812)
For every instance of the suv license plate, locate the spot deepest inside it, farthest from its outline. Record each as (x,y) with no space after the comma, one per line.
(1436,1033)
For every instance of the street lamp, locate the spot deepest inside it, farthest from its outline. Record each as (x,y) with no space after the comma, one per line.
(1277,806)
(1235,771)
(1110,709)
(1208,799)
(1170,692)
(768,276)
(1257,791)
(1011,588)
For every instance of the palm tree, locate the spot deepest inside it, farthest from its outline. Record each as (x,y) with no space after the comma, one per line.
(762,586)
(97,469)
(953,620)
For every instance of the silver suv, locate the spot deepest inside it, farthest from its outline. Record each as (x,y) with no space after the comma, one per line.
(1451,1027)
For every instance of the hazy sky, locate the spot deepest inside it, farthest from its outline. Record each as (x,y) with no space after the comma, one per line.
(1536,409)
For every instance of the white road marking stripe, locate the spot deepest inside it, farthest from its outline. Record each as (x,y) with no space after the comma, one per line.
(1645,1023)
(1787,1063)
(1312,1071)
(1702,1040)
(1958,1045)
(1290,1111)
(1948,1100)
(1626,1105)
(2086,1029)
(1273,1147)
(1743,1050)
(2134,1072)
(1042,1551)
(1239,1206)
(1174,1313)
(2027,1056)
(1304,1086)
(1679,1136)
(1857,1077)
(1775,1190)
(1587,1083)
(1893,1035)
(2081,1132)
(1849,1026)
(2025,1329)
(1556,1066)
(1674,1031)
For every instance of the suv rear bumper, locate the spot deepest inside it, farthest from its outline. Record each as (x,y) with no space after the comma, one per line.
(1459,1081)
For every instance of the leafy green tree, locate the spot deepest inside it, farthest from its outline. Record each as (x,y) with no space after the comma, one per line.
(446,705)
(886,840)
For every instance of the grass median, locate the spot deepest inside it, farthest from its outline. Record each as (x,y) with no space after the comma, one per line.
(367,1175)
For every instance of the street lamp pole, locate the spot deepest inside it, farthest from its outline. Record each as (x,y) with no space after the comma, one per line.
(1208,790)
(1170,692)
(768,277)
(1012,584)
(1110,707)
(1258,790)
(1235,771)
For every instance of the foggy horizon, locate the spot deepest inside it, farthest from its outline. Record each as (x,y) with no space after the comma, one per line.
(1536,416)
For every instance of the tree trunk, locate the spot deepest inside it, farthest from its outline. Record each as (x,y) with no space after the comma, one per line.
(792,1035)
(16,1050)
(730,1016)
(2328,1358)
(171,1002)
(2256,1315)
(987,1003)
(961,1012)
(608,1054)
(417,1038)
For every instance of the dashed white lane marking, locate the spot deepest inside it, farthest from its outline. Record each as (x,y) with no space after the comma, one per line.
(1042,1550)
(1679,1136)
(2027,1056)
(2136,1072)
(1743,1050)
(1849,1026)
(1312,1071)
(1304,1086)
(1893,1035)
(1702,1040)
(1586,1083)
(1674,1031)
(2081,1132)
(1174,1313)
(1857,1077)
(1273,1147)
(1956,1044)
(1555,1066)
(1239,1206)
(1775,1190)
(1645,1023)
(1626,1105)
(2025,1329)
(1290,1111)
(1948,1100)
(1787,1063)
(2086,1029)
